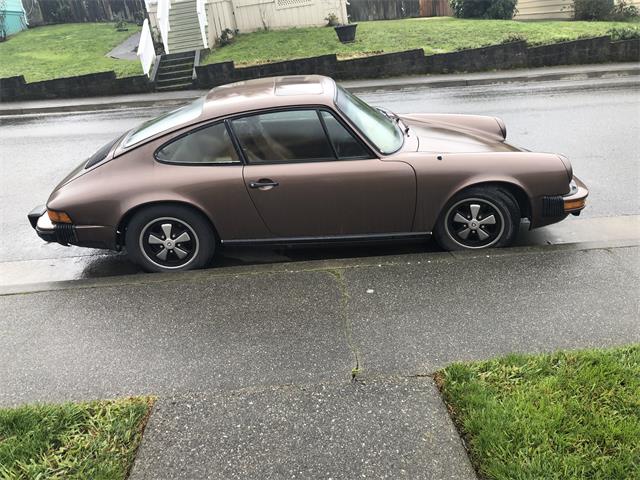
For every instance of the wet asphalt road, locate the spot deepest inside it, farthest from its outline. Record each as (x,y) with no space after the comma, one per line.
(596,127)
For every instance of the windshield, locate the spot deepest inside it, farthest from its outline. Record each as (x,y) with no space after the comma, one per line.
(376,126)
(164,122)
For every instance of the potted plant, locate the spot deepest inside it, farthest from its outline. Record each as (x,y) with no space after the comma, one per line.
(346,32)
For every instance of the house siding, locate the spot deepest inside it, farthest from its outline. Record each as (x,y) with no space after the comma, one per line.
(15,20)
(219,17)
(253,15)
(549,9)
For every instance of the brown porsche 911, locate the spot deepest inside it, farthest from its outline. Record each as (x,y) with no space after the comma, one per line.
(297,159)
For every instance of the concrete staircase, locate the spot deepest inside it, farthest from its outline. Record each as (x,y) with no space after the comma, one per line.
(184,33)
(175,71)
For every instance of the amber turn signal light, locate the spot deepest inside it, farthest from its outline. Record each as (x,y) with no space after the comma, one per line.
(572,205)
(58,217)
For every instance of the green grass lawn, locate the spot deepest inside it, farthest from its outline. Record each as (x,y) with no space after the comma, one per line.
(67,50)
(434,35)
(573,415)
(96,440)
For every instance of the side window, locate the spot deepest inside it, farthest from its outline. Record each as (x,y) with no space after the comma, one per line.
(209,145)
(346,146)
(288,136)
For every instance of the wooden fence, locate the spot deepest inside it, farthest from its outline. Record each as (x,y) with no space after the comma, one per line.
(44,12)
(435,8)
(363,10)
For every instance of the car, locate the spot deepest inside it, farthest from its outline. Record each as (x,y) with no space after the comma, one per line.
(299,159)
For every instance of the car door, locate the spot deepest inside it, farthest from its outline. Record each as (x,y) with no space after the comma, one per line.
(201,167)
(308,175)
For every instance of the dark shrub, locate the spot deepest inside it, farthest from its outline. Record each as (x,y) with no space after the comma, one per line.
(592,9)
(623,10)
(227,37)
(499,9)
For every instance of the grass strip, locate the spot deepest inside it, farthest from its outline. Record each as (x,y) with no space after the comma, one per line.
(66,50)
(96,440)
(567,415)
(433,35)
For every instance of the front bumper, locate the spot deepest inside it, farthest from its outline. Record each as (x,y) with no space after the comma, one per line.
(576,199)
(62,233)
(554,206)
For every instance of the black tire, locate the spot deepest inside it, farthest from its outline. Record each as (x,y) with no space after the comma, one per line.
(149,246)
(495,224)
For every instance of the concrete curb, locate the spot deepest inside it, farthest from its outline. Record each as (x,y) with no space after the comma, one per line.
(615,74)
(96,107)
(307,266)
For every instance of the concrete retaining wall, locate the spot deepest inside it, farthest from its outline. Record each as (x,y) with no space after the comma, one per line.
(625,51)
(589,50)
(496,57)
(415,62)
(91,85)
(411,62)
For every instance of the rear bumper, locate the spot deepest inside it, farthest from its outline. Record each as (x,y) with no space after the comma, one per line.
(91,236)
(62,233)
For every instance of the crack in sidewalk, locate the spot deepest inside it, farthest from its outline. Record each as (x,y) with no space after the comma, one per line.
(338,275)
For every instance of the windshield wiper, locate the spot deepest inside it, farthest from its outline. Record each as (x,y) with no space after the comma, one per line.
(404,128)
(392,116)
(387,113)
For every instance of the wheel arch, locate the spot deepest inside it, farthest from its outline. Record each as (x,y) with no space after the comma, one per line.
(518,192)
(129,214)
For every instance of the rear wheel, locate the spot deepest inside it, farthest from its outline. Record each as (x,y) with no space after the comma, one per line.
(477,218)
(166,238)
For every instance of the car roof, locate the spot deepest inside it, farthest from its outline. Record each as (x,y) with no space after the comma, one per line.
(271,92)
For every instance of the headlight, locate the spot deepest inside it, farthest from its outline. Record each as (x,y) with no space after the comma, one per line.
(567,165)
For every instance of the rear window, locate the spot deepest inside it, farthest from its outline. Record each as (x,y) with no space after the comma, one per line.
(101,154)
(165,122)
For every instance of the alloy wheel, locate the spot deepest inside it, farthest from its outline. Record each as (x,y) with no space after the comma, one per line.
(474,223)
(169,242)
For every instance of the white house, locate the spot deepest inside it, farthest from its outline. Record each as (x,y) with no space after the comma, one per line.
(549,9)
(187,25)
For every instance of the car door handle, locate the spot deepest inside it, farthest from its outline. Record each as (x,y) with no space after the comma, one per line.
(264,183)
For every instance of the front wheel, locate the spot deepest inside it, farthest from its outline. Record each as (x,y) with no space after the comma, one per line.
(169,238)
(480,217)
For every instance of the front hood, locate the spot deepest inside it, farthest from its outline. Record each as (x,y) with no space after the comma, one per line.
(458,133)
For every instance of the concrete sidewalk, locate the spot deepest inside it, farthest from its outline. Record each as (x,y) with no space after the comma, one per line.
(617,72)
(253,366)
(394,427)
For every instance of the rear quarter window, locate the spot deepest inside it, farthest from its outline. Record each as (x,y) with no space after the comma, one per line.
(211,145)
